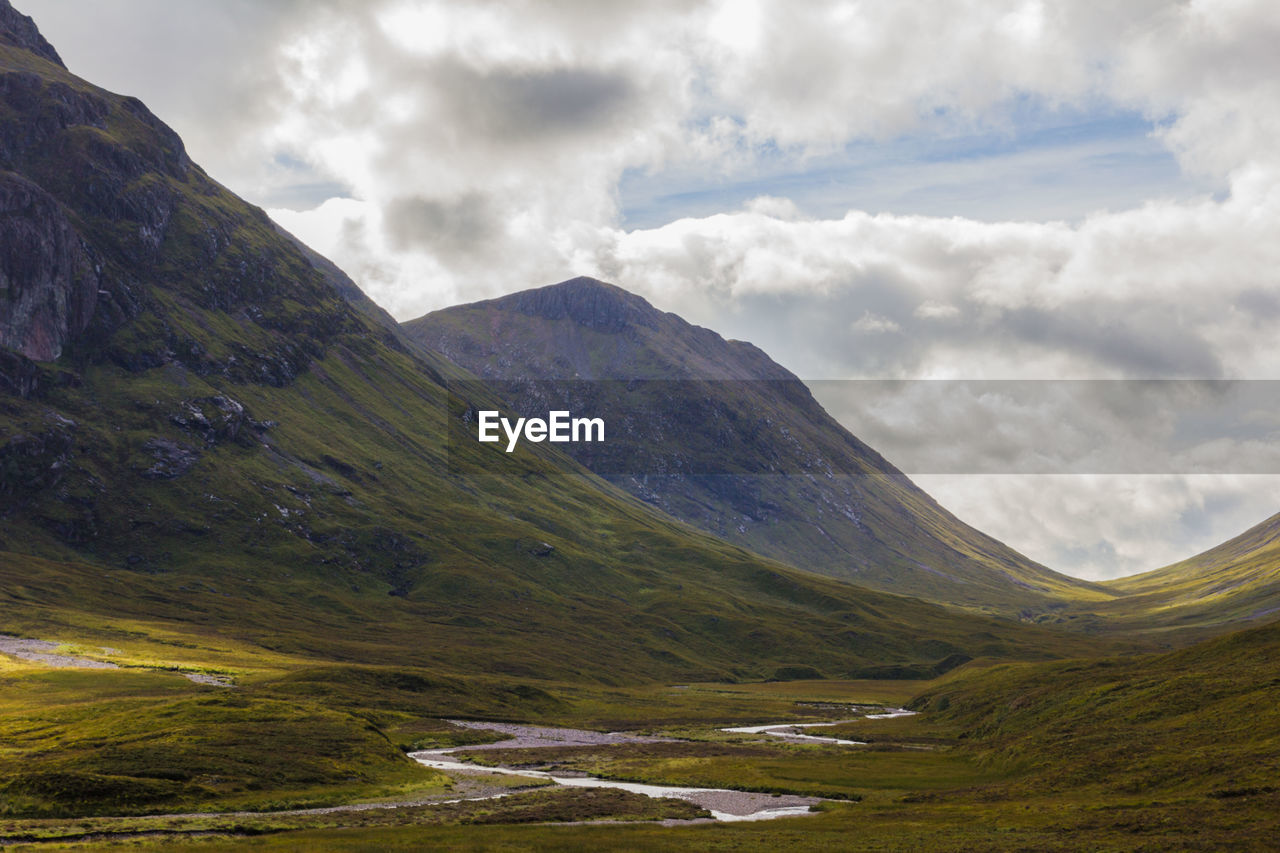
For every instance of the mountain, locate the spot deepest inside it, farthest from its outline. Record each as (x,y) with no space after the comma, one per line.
(208,426)
(718,435)
(1232,584)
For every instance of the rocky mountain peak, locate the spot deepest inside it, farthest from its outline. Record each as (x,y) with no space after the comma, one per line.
(19,30)
(588,302)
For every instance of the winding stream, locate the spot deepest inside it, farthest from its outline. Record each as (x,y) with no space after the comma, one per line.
(787,731)
(724,804)
(733,805)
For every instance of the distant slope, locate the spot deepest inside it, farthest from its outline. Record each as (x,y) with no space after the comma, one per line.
(199,429)
(1233,583)
(1197,722)
(717,434)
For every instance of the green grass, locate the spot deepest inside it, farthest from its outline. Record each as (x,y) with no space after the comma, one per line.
(1036,824)
(85,742)
(1158,752)
(1200,721)
(818,770)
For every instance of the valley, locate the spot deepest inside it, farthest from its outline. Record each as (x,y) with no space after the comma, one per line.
(1044,774)
(264,584)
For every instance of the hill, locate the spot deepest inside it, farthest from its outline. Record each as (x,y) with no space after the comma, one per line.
(1199,721)
(1228,586)
(718,435)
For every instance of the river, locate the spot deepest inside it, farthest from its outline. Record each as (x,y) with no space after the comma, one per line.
(723,804)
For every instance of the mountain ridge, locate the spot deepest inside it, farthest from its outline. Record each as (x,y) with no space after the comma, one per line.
(20,31)
(1234,583)
(763,465)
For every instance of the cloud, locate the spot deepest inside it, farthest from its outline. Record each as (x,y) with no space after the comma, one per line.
(875,324)
(535,114)
(1148,293)
(555,102)
(443,227)
(1063,427)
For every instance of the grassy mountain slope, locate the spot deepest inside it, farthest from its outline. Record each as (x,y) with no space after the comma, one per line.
(718,435)
(1233,583)
(1199,721)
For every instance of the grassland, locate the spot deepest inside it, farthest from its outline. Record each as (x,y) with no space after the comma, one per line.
(1149,752)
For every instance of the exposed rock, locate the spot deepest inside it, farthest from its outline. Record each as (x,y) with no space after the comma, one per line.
(214,419)
(20,31)
(49,280)
(109,211)
(171,459)
(346,469)
(46,653)
(542,549)
(43,110)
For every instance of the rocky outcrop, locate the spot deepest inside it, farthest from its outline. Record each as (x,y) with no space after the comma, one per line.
(20,31)
(218,419)
(106,224)
(49,280)
(169,459)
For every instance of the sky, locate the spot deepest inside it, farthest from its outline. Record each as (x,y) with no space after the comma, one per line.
(874,190)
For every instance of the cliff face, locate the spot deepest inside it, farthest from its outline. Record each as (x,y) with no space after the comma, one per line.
(48,277)
(79,172)
(115,247)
